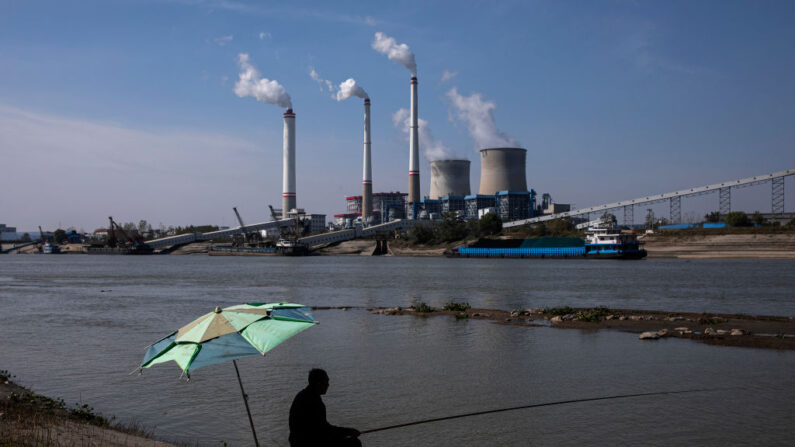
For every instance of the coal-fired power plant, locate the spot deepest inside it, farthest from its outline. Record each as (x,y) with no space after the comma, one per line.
(367,170)
(502,169)
(288,173)
(414,150)
(449,178)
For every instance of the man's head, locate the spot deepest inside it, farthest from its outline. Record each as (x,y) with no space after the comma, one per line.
(318,380)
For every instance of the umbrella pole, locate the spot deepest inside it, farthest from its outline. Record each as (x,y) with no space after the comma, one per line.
(245,401)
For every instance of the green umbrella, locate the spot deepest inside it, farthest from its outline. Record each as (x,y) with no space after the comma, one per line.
(229,334)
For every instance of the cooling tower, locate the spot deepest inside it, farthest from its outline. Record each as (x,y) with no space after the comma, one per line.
(288,165)
(367,171)
(502,169)
(414,151)
(449,178)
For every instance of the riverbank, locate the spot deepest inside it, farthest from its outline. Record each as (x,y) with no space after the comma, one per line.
(750,331)
(683,245)
(30,419)
(666,245)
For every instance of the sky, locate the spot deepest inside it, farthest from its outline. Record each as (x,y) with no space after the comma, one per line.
(130,108)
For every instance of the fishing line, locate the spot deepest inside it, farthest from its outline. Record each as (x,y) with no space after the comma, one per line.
(545,404)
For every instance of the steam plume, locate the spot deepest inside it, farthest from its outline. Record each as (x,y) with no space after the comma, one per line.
(350,88)
(251,83)
(478,115)
(395,52)
(434,149)
(321,81)
(346,89)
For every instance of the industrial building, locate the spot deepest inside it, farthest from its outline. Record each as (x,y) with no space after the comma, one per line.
(387,206)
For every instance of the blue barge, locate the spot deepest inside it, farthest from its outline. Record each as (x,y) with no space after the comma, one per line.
(602,242)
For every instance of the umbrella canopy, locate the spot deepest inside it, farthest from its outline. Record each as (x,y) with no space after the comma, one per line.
(230,333)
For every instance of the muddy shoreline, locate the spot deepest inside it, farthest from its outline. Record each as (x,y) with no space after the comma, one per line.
(750,331)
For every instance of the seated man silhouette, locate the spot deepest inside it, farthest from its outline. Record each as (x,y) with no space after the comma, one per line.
(308,424)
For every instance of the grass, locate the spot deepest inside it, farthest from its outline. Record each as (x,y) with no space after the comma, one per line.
(564,310)
(709,320)
(595,314)
(30,419)
(422,307)
(457,307)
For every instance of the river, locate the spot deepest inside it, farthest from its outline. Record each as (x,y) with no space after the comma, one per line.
(74,326)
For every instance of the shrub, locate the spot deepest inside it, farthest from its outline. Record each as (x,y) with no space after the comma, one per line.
(738,219)
(558,310)
(593,315)
(421,235)
(713,217)
(490,224)
(457,307)
(422,307)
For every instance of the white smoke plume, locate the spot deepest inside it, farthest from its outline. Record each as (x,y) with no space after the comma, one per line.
(350,88)
(346,89)
(433,149)
(395,52)
(251,83)
(321,81)
(478,115)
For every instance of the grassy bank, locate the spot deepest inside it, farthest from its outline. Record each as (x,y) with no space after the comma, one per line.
(31,419)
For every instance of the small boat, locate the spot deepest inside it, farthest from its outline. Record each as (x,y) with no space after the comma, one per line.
(291,247)
(51,249)
(603,241)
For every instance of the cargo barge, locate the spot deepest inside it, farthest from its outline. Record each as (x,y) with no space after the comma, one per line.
(602,242)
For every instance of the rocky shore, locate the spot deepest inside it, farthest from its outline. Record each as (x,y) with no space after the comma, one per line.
(30,419)
(749,331)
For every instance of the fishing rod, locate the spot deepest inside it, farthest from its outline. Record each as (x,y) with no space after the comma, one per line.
(545,404)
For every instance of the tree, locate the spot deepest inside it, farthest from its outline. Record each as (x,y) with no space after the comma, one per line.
(610,218)
(421,235)
(59,236)
(144,227)
(738,219)
(560,227)
(490,224)
(452,229)
(650,219)
(25,237)
(713,217)
(757,218)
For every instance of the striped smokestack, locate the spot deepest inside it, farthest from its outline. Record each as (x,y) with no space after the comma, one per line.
(414,150)
(367,170)
(288,173)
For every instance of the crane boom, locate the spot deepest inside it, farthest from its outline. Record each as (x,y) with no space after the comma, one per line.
(273,213)
(239,219)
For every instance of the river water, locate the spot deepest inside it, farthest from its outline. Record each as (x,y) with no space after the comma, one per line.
(74,326)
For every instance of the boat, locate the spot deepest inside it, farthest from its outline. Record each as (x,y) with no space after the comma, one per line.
(603,241)
(50,248)
(545,247)
(282,247)
(291,247)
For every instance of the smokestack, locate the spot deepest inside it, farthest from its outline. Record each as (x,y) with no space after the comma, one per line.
(367,170)
(502,169)
(288,173)
(449,178)
(414,150)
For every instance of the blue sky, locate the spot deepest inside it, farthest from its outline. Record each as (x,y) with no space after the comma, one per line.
(127,108)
